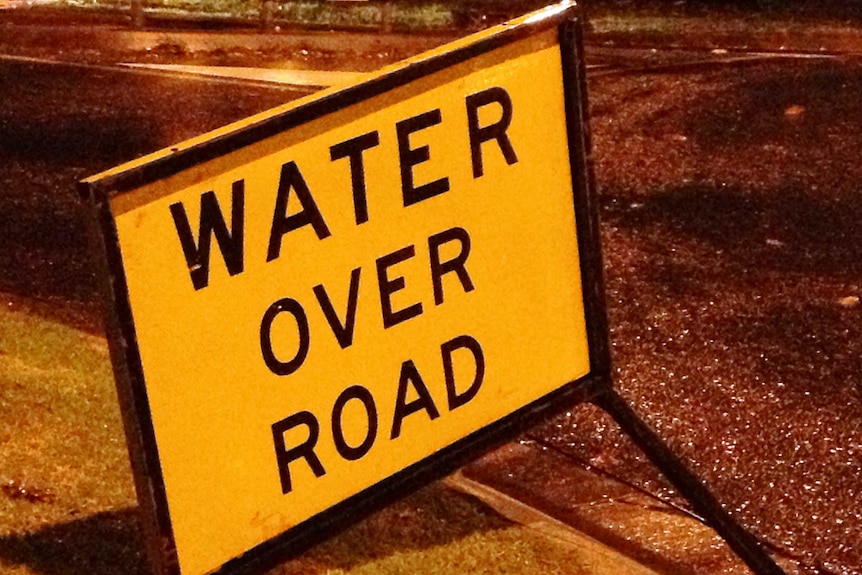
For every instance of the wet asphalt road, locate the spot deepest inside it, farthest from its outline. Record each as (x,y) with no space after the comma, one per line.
(731,230)
(731,218)
(60,124)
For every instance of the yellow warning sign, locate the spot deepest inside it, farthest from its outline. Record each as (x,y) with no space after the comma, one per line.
(320,308)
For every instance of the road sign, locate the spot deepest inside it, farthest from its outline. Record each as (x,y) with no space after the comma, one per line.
(325,304)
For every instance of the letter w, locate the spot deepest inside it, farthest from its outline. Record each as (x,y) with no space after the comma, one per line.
(212,223)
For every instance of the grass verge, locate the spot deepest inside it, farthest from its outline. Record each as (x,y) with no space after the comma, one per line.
(61,442)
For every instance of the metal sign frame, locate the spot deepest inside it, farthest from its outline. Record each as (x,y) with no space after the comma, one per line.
(97,191)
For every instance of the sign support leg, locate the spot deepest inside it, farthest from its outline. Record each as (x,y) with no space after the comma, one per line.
(743,543)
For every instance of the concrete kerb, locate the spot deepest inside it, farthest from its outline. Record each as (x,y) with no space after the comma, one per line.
(312,79)
(613,523)
(600,558)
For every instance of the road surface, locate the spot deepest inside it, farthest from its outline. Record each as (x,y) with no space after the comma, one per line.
(731,218)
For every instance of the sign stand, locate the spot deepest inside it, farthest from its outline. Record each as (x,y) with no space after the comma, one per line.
(318,309)
(704,503)
(743,543)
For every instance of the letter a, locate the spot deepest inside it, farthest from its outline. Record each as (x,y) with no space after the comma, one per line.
(410,375)
(291,178)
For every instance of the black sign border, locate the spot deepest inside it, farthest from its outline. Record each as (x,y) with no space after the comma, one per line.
(128,369)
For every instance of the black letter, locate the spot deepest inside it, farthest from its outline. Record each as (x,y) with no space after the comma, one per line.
(285,456)
(454,265)
(409,373)
(388,287)
(343,333)
(353,149)
(456,400)
(493,131)
(410,157)
(364,396)
(274,364)
(291,177)
(212,222)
